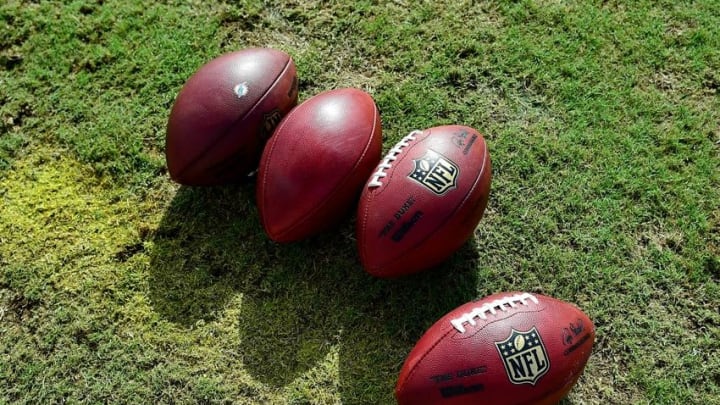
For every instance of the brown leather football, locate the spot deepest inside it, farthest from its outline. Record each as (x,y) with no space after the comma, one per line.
(225,113)
(510,348)
(424,200)
(316,163)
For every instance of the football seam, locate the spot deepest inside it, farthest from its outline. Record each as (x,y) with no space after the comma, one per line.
(430,234)
(335,191)
(269,149)
(363,224)
(412,371)
(234,123)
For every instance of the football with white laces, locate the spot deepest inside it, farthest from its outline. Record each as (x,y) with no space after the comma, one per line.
(507,348)
(423,201)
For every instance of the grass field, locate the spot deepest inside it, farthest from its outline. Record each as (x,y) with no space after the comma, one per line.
(118,286)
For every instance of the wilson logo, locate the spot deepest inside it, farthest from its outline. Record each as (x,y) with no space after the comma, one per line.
(524,356)
(436,172)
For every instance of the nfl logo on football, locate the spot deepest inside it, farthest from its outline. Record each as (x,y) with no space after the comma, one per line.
(436,172)
(524,356)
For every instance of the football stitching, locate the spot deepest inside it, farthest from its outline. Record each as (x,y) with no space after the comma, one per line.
(492,308)
(341,184)
(200,156)
(363,225)
(391,156)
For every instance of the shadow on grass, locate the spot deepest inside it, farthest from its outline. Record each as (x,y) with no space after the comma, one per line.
(393,316)
(300,299)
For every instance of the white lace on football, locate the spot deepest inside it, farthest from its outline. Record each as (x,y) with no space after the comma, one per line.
(492,307)
(390,157)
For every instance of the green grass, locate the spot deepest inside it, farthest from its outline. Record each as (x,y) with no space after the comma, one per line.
(116,285)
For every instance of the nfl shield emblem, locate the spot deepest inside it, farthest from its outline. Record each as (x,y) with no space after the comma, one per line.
(436,172)
(524,356)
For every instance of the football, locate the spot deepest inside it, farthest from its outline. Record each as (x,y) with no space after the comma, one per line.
(224,114)
(313,168)
(508,348)
(423,201)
